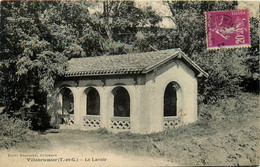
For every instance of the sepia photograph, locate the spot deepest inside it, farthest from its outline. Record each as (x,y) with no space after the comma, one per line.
(133,83)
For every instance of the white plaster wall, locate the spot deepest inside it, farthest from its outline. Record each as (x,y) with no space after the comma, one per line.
(108,101)
(145,107)
(155,87)
(106,105)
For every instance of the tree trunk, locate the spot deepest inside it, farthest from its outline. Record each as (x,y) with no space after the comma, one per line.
(106,10)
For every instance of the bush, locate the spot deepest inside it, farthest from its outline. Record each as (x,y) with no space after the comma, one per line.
(114,48)
(40,119)
(233,106)
(13,131)
(226,69)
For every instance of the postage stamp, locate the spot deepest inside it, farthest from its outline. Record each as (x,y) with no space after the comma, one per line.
(228,29)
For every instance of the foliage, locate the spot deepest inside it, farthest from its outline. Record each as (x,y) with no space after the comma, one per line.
(37,39)
(37,115)
(227,68)
(253,55)
(71,29)
(154,38)
(251,82)
(13,131)
(31,74)
(241,103)
(113,48)
(189,18)
(119,23)
(30,62)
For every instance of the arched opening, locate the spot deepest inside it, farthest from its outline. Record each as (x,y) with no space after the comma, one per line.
(170,99)
(67,101)
(121,102)
(93,102)
(66,114)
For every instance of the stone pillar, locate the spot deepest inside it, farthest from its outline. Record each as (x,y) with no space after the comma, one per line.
(190,101)
(135,109)
(144,110)
(195,99)
(104,116)
(156,108)
(78,107)
(83,102)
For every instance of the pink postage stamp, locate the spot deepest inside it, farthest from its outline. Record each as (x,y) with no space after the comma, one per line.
(229,29)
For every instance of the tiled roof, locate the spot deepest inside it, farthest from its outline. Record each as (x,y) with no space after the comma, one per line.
(134,63)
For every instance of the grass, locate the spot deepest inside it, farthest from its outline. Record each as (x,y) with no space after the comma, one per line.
(16,133)
(227,133)
(13,131)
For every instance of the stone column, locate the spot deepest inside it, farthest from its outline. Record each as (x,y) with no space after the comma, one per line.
(104,122)
(78,106)
(156,108)
(135,109)
(195,99)
(188,82)
(190,101)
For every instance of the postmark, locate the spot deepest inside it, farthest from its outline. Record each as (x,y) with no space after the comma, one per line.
(227,29)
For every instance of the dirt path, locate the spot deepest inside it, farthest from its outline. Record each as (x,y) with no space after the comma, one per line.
(76,150)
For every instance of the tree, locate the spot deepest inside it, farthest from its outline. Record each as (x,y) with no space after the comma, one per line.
(227,68)
(37,39)
(119,23)
(189,17)
(71,28)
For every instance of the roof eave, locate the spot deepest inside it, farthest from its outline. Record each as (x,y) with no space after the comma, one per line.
(83,74)
(202,73)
